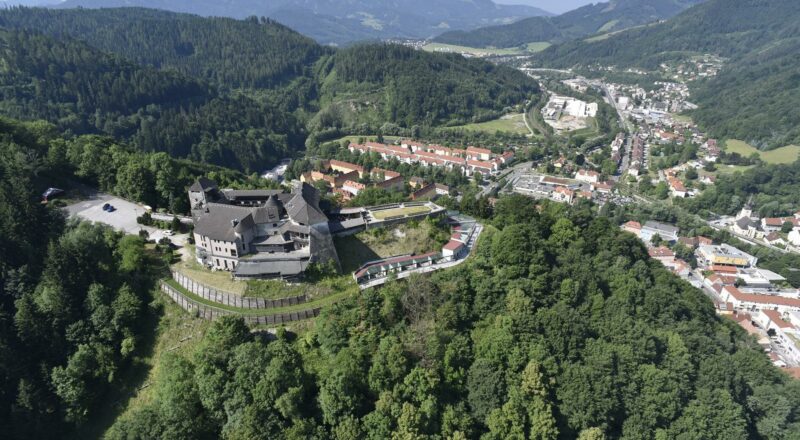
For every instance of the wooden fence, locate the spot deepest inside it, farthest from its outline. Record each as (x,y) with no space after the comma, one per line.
(232,299)
(206,311)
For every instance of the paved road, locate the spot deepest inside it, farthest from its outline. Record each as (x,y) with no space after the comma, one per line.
(123,219)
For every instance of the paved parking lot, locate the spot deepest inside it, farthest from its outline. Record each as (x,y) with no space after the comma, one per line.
(123,219)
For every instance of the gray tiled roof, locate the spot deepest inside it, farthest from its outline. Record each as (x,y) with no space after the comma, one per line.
(304,206)
(202,185)
(216,223)
(278,268)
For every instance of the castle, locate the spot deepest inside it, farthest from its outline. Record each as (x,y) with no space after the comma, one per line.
(260,233)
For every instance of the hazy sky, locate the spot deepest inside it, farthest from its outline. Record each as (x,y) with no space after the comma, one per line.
(554,6)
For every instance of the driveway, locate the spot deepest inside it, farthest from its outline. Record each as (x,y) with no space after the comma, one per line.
(123,219)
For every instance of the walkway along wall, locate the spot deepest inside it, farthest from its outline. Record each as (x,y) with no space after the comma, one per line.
(209,312)
(232,299)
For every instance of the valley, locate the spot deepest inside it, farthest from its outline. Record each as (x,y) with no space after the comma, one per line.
(316,219)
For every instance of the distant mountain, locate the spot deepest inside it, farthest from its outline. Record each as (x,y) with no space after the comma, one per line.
(591,19)
(345,21)
(756,95)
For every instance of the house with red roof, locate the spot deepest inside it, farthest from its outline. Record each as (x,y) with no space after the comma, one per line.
(475,153)
(587,176)
(633,227)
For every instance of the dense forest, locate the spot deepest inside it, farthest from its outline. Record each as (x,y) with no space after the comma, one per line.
(85,91)
(229,53)
(237,93)
(752,97)
(773,191)
(421,88)
(594,18)
(72,303)
(559,327)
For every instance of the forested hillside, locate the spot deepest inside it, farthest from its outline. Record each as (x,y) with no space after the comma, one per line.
(416,87)
(85,91)
(559,327)
(241,94)
(72,302)
(595,18)
(229,53)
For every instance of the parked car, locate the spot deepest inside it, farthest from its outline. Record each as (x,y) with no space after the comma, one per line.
(111,208)
(169,232)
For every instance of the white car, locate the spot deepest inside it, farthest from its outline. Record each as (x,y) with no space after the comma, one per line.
(169,233)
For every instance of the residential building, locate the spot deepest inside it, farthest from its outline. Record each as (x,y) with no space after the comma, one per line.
(562,194)
(775,239)
(633,227)
(587,176)
(755,302)
(431,192)
(724,255)
(661,253)
(667,232)
(475,153)
(677,188)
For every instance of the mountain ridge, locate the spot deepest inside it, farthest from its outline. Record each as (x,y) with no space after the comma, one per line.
(587,20)
(753,96)
(331,22)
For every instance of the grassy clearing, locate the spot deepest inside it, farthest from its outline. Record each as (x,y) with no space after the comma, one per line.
(730,169)
(514,123)
(608,26)
(439,47)
(409,210)
(787,154)
(219,280)
(375,244)
(537,46)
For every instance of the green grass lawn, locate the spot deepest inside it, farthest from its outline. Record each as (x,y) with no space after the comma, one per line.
(725,169)
(220,280)
(376,244)
(409,210)
(514,123)
(439,47)
(537,46)
(787,154)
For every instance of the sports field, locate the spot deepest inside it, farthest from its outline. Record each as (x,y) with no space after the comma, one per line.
(513,123)
(537,46)
(787,154)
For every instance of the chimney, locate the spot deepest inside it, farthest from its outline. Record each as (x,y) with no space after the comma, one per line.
(234,222)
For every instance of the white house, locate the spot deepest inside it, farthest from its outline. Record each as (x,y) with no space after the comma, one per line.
(587,176)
